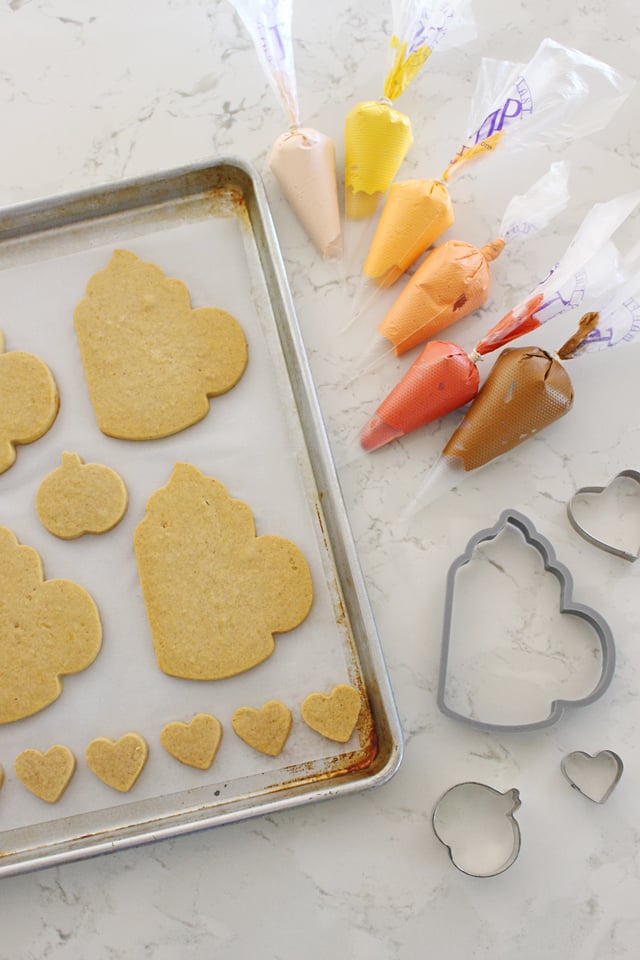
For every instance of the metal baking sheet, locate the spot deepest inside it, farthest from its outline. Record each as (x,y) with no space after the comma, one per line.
(209,226)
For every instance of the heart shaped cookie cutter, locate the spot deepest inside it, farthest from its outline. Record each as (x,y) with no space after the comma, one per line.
(595,776)
(551,564)
(591,538)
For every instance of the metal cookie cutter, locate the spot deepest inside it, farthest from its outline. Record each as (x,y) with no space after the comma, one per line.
(597,541)
(595,776)
(476,825)
(567,605)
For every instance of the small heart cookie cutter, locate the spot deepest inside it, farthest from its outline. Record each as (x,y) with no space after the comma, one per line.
(598,541)
(480,843)
(597,623)
(575,764)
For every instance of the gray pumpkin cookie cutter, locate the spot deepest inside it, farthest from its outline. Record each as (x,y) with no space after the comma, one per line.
(599,542)
(595,776)
(475,823)
(551,564)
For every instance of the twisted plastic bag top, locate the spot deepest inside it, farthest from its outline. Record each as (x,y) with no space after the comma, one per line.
(560,95)
(419,28)
(268,23)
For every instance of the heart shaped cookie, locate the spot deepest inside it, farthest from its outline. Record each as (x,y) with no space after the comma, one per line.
(266,729)
(609,517)
(118,763)
(595,776)
(335,716)
(195,743)
(47,775)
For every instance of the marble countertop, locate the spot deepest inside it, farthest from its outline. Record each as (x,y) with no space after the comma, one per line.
(91,93)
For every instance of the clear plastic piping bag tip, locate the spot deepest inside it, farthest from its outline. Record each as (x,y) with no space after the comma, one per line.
(366,295)
(443,477)
(372,359)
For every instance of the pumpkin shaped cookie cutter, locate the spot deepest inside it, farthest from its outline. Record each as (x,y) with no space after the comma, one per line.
(599,541)
(476,823)
(586,613)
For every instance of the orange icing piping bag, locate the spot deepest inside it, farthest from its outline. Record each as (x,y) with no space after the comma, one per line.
(559,96)
(377,136)
(455,278)
(589,268)
(303,160)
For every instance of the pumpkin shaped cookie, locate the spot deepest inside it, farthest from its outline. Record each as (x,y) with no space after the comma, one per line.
(152,362)
(80,498)
(29,401)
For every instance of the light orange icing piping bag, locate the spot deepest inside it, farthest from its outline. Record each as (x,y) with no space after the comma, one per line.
(455,278)
(303,160)
(377,136)
(415,214)
(453,281)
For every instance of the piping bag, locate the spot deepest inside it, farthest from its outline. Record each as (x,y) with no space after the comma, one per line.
(445,377)
(377,136)
(529,388)
(560,95)
(302,159)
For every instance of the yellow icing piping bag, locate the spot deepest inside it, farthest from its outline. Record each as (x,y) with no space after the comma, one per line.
(377,136)
(303,160)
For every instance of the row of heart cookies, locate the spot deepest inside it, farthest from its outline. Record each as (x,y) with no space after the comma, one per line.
(119,763)
(151,362)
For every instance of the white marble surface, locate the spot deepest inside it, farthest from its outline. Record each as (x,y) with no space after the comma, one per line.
(92,92)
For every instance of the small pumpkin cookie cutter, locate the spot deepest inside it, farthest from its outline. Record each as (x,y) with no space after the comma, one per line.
(595,776)
(551,564)
(475,823)
(591,538)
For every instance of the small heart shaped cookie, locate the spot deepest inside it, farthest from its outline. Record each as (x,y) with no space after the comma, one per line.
(335,716)
(195,743)
(266,729)
(118,763)
(47,775)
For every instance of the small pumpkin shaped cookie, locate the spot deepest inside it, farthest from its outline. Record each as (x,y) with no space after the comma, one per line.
(80,498)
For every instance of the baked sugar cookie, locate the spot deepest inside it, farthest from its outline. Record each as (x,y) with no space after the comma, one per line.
(48,628)
(335,716)
(195,743)
(118,763)
(29,401)
(80,498)
(266,729)
(215,593)
(152,362)
(46,775)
